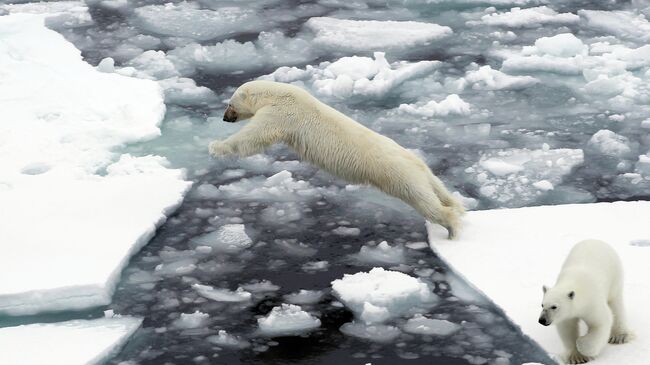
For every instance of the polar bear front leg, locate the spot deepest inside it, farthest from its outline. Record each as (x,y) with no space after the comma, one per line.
(597,336)
(620,333)
(568,331)
(250,140)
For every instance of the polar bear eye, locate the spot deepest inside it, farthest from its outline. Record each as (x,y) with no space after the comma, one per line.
(554,307)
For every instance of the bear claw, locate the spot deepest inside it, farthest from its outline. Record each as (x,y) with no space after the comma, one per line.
(577,358)
(619,338)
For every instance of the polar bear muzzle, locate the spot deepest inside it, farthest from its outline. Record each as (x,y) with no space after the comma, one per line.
(230,115)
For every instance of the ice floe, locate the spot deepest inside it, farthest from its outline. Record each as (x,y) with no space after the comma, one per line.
(64,119)
(75,342)
(536,241)
(287,319)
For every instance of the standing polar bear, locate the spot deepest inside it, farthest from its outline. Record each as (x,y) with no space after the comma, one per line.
(325,137)
(589,288)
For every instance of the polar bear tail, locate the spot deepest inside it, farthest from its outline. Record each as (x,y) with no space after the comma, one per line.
(445,197)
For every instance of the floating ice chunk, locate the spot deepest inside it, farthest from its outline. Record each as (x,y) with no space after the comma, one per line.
(154,65)
(371,35)
(382,253)
(261,286)
(225,339)
(561,45)
(197,319)
(609,143)
(624,24)
(230,238)
(499,167)
(106,65)
(543,185)
(452,104)
(287,319)
(426,326)
(544,63)
(184,91)
(222,295)
(389,292)
(373,332)
(187,21)
(346,231)
(529,17)
(345,81)
(487,78)
(304,297)
(76,342)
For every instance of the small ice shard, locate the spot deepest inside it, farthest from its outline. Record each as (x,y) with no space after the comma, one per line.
(225,339)
(222,295)
(260,286)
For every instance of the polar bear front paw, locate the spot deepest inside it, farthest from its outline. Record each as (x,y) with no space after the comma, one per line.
(620,338)
(219,148)
(577,358)
(587,347)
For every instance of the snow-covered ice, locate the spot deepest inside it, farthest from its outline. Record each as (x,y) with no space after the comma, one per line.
(62,121)
(76,342)
(287,319)
(535,242)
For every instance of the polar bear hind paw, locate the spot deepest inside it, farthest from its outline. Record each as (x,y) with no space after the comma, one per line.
(620,338)
(577,358)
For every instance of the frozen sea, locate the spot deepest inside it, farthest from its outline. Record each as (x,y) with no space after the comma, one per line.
(512,103)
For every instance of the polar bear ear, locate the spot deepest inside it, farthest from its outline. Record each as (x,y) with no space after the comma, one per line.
(572,295)
(544,288)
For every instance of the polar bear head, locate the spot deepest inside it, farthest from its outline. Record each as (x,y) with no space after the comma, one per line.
(254,95)
(557,305)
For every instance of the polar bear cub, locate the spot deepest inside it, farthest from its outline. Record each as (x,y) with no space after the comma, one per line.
(284,113)
(589,288)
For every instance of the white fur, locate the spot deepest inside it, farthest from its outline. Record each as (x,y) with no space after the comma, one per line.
(594,274)
(283,113)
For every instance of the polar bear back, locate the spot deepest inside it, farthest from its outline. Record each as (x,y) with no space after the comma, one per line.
(369,158)
(596,262)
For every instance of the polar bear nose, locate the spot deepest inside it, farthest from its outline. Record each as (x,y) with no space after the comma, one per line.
(230,115)
(543,322)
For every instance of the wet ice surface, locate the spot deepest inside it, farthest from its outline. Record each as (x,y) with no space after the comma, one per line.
(502,103)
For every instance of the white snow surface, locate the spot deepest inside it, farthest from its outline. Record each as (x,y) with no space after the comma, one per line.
(535,242)
(65,236)
(373,35)
(76,342)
